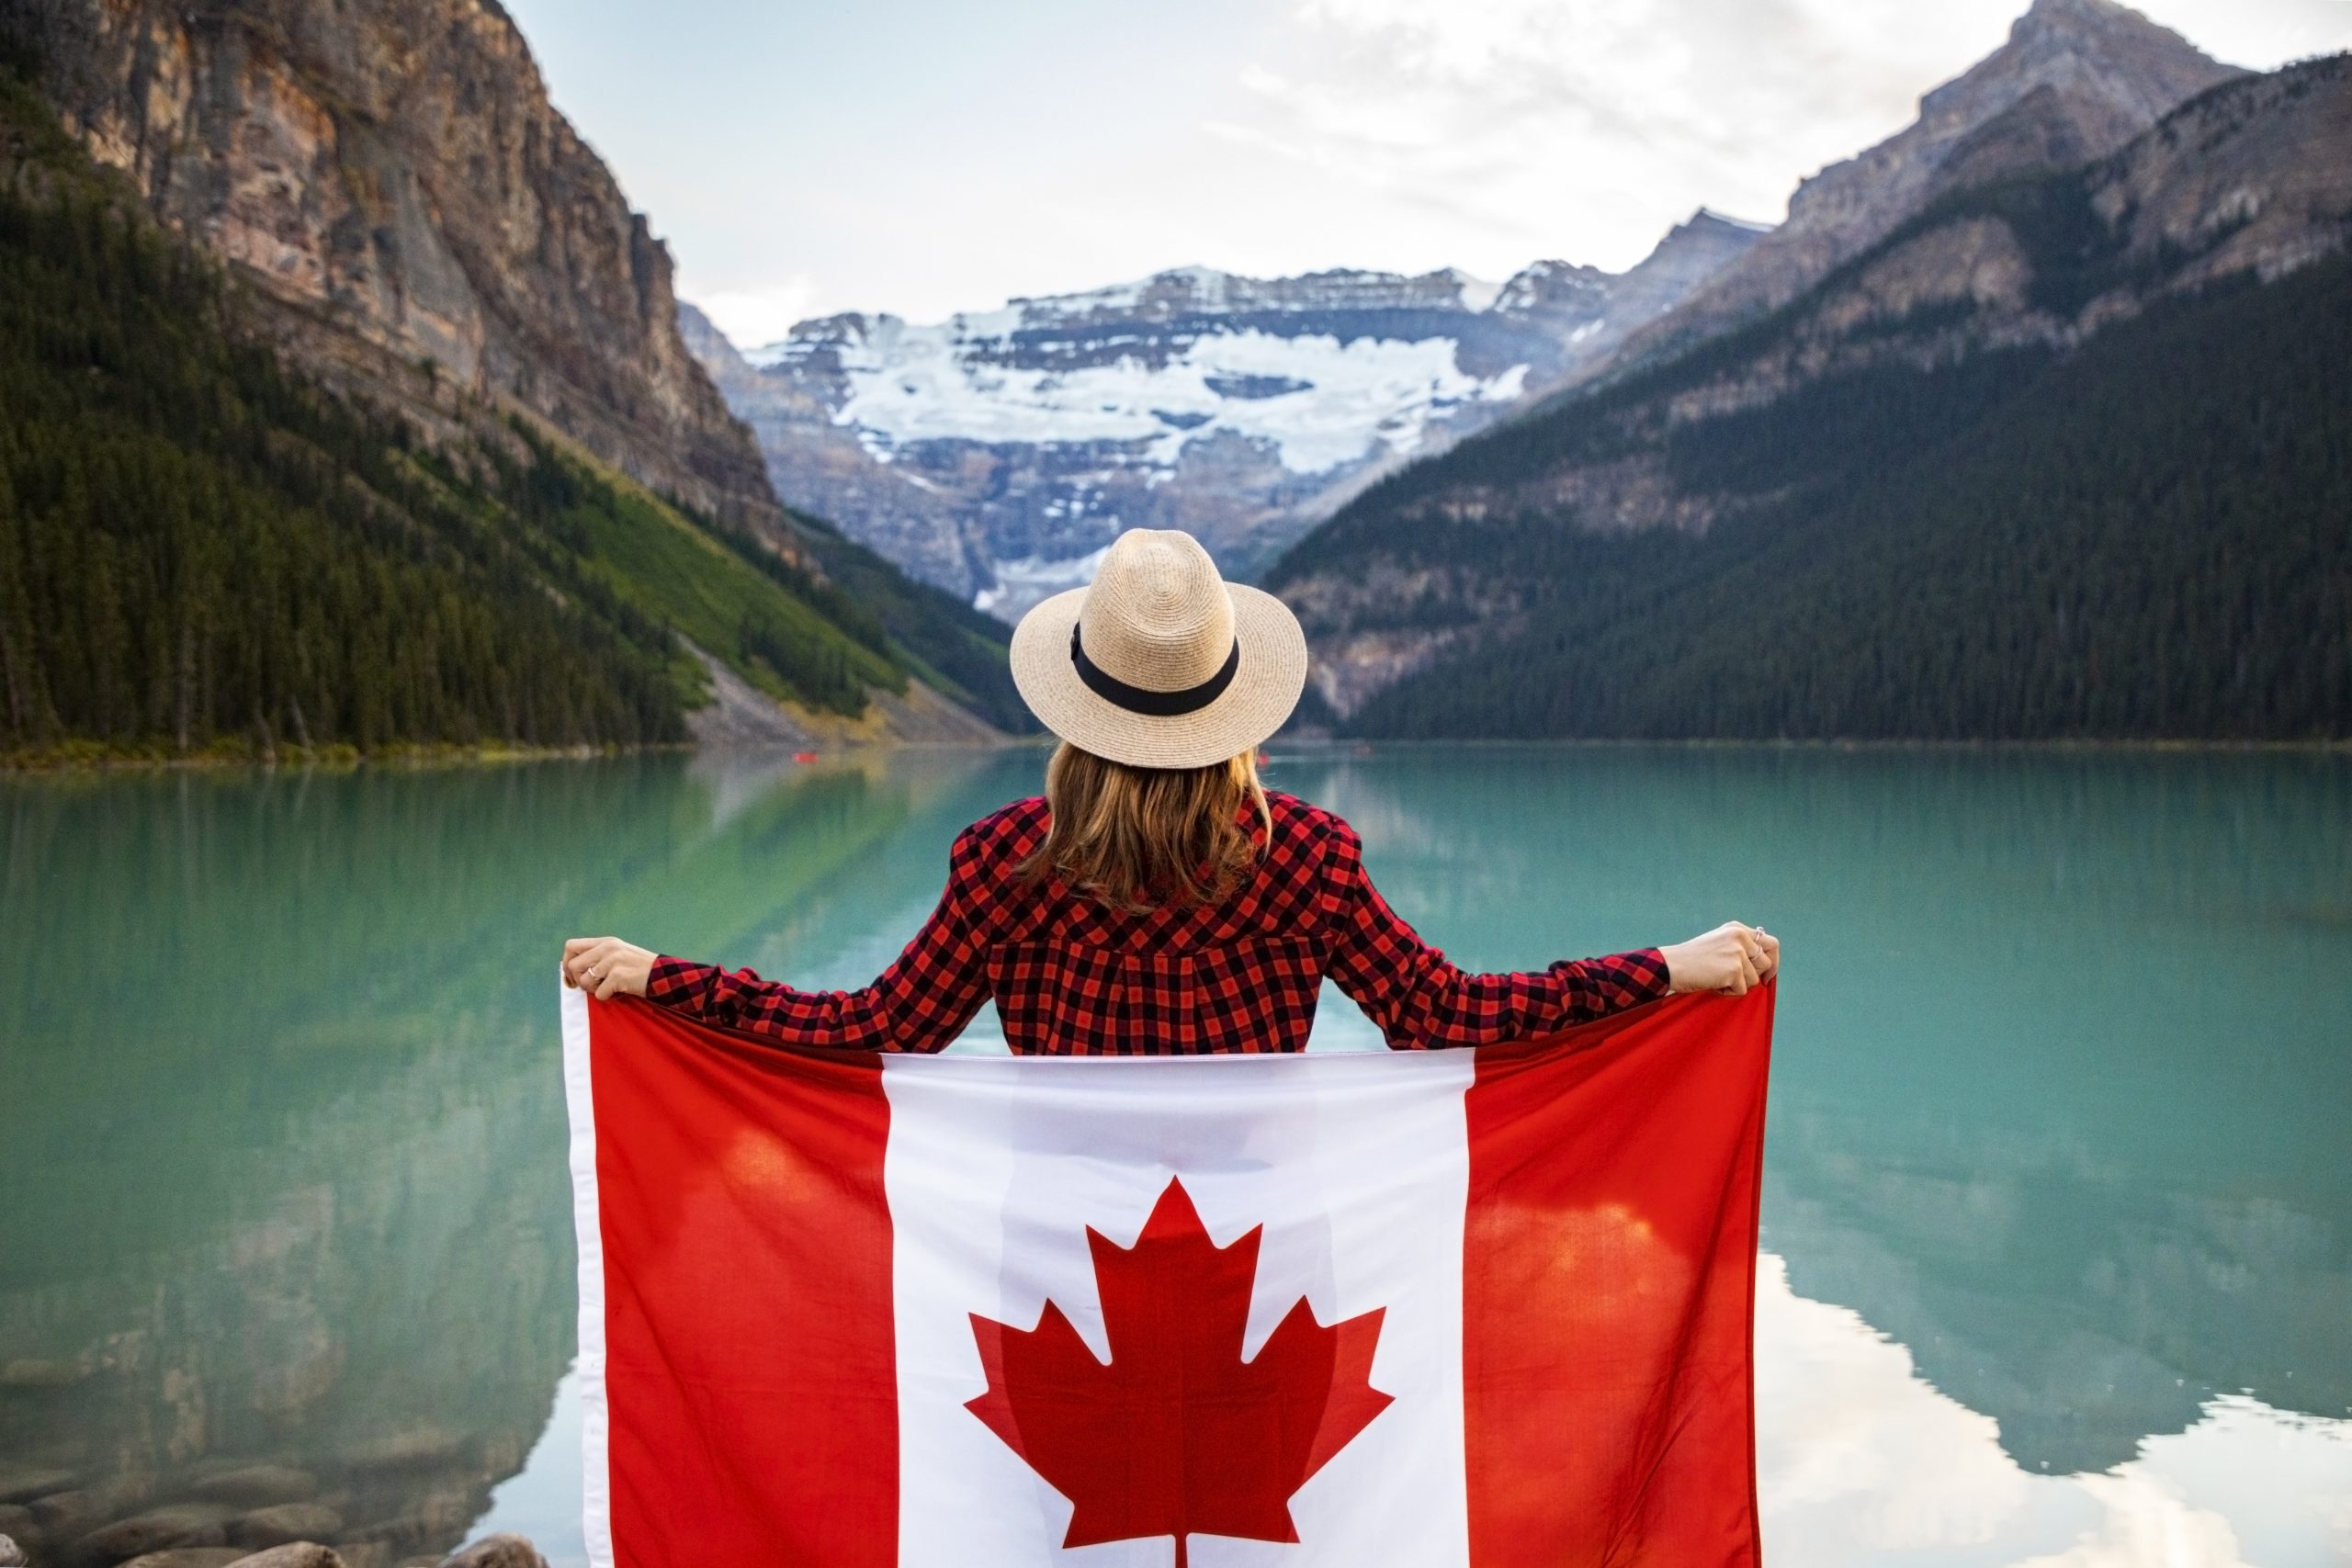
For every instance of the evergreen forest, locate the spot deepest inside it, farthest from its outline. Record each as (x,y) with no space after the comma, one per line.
(2150,537)
(202,553)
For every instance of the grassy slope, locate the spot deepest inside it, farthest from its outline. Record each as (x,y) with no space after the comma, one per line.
(958,648)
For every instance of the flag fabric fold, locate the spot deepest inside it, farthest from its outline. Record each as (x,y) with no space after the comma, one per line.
(1475,1308)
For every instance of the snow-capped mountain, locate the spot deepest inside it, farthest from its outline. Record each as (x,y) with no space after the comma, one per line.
(996,453)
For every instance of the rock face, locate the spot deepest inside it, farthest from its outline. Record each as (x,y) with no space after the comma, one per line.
(2077,79)
(2250,180)
(995,453)
(392,173)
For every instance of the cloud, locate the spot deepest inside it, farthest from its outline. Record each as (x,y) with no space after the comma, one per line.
(750,317)
(929,157)
(1586,130)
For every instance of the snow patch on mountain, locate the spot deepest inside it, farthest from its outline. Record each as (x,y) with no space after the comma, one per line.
(1315,400)
(996,453)
(1032,579)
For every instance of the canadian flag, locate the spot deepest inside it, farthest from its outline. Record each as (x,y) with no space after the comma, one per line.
(1326,1311)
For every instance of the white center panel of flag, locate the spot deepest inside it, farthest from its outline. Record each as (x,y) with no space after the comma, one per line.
(1357,1169)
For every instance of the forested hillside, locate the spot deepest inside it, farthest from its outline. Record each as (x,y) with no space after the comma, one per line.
(202,551)
(2153,537)
(2061,455)
(942,639)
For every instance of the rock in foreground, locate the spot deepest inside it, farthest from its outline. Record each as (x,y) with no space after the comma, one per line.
(190,1557)
(284,1525)
(294,1554)
(498,1551)
(177,1524)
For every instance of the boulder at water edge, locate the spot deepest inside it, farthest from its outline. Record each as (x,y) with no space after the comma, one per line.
(21,1483)
(284,1525)
(189,1557)
(497,1552)
(177,1524)
(294,1554)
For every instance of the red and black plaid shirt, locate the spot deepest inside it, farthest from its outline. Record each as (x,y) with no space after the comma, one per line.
(1074,978)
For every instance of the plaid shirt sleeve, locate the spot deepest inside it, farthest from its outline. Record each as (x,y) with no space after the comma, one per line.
(921,1003)
(1421,1001)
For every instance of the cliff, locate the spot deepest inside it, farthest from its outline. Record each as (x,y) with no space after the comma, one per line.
(391,174)
(437,468)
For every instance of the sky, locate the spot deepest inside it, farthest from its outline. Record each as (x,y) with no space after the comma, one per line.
(923,157)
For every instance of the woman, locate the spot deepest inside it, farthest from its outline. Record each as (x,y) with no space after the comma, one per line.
(1156,899)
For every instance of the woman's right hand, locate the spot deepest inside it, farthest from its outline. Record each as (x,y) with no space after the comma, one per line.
(606,966)
(1726,961)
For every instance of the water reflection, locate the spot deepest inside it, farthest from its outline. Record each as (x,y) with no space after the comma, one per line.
(285,1177)
(1863,1462)
(2061,1222)
(2059,1095)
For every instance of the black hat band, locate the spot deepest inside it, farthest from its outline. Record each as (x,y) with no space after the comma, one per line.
(1142,700)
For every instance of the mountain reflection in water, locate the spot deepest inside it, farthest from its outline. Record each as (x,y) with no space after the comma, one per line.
(2059,1219)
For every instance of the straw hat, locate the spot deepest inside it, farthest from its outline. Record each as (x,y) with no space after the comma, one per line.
(1161,662)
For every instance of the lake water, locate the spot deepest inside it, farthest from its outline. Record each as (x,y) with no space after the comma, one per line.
(2058,1208)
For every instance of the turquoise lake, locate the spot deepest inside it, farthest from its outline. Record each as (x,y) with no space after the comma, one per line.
(2058,1207)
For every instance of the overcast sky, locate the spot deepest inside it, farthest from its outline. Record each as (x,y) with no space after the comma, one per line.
(926,157)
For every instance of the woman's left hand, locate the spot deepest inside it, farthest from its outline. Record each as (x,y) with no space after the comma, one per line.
(606,966)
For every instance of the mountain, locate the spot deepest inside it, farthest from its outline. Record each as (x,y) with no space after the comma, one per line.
(345,406)
(392,173)
(2063,454)
(995,453)
(2076,80)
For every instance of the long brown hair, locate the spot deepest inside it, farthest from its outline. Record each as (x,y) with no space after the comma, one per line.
(1136,838)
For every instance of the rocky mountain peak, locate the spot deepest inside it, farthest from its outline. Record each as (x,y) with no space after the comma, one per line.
(1705,233)
(1550,285)
(2092,21)
(2097,49)
(2076,80)
(1185,292)
(1707,225)
(995,453)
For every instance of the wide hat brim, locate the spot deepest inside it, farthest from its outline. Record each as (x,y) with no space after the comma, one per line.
(1265,688)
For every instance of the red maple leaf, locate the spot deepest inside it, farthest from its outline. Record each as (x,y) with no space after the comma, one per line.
(1177,1434)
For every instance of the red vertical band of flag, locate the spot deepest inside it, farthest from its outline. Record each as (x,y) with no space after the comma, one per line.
(1609,1276)
(749,1372)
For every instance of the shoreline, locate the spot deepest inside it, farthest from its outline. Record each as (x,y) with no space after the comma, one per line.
(1807,743)
(85,759)
(82,761)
